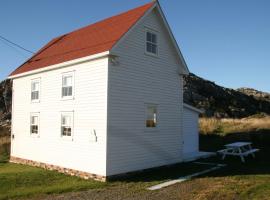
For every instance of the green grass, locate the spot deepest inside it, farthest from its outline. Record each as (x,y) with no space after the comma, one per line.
(25,181)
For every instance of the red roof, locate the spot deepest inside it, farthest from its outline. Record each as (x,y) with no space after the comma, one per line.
(90,40)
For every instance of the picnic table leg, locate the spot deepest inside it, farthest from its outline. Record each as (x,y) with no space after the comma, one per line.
(253,154)
(223,156)
(241,156)
(242,159)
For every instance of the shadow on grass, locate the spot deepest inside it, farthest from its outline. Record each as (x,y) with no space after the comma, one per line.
(211,143)
(260,165)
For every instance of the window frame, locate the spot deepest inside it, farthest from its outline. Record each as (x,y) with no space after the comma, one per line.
(71,114)
(147,105)
(151,31)
(36,80)
(35,114)
(67,74)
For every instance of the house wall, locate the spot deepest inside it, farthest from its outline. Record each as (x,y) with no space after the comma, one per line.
(191,132)
(90,112)
(139,79)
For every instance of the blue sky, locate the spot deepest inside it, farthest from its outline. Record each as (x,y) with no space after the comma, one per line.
(227,42)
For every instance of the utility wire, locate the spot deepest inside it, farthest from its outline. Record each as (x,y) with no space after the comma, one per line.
(16,45)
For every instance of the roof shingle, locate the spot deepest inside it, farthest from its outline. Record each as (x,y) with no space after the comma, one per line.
(90,40)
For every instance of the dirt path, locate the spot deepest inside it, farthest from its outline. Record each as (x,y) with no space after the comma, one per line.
(198,189)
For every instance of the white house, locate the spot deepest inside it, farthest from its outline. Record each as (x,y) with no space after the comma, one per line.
(104,100)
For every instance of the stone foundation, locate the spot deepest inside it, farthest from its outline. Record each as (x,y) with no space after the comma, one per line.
(72,172)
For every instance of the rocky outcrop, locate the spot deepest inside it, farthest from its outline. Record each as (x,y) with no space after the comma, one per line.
(255,93)
(5,102)
(221,102)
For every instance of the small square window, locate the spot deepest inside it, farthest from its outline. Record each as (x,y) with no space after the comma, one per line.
(151,116)
(34,124)
(151,43)
(66,124)
(35,90)
(67,85)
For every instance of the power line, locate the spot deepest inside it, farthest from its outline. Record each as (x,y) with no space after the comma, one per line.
(5,39)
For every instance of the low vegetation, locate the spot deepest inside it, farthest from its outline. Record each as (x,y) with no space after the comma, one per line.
(225,126)
(24,181)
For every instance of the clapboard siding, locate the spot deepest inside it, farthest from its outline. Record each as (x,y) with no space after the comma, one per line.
(137,80)
(90,112)
(191,131)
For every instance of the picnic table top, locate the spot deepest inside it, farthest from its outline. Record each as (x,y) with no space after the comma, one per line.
(237,144)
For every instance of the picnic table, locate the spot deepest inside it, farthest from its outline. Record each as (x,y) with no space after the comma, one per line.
(241,149)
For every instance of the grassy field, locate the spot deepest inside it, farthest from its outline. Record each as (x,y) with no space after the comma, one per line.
(225,126)
(236,181)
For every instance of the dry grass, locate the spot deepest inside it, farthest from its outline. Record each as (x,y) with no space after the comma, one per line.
(224,126)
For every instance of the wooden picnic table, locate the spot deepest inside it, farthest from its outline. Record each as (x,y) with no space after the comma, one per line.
(241,149)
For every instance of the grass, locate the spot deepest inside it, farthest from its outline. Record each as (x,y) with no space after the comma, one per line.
(25,181)
(226,126)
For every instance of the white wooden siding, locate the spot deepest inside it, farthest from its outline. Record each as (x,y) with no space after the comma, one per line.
(140,79)
(191,132)
(90,112)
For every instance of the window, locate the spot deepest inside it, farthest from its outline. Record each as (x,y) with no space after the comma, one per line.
(35,88)
(66,124)
(151,116)
(34,124)
(67,85)
(151,43)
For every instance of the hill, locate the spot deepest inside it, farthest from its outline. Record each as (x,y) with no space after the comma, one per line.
(218,101)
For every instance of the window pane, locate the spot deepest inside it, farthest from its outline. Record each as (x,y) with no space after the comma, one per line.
(66,131)
(35,86)
(148,37)
(34,95)
(67,81)
(67,91)
(151,120)
(154,48)
(66,120)
(34,120)
(148,47)
(34,129)
(154,38)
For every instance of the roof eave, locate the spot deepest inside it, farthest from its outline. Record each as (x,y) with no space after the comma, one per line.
(63,64)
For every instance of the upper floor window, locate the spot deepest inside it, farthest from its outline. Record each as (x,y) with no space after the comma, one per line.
(35,90)
(34,124)
(66,124)
(151,116)
(68,85)
(151,42)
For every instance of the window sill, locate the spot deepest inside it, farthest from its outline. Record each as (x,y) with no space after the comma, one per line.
(32,135)
(35,101)
(67,98)
(67,138)
(156,129)
(151,54)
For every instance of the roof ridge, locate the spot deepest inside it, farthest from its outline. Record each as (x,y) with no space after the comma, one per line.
(107,18)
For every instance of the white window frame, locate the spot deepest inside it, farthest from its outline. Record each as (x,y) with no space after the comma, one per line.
(71,115)
(151,31)
(67,74)
(36,80)
(35,114)
(147,105)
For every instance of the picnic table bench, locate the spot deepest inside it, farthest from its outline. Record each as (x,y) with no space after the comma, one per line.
(241,149)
